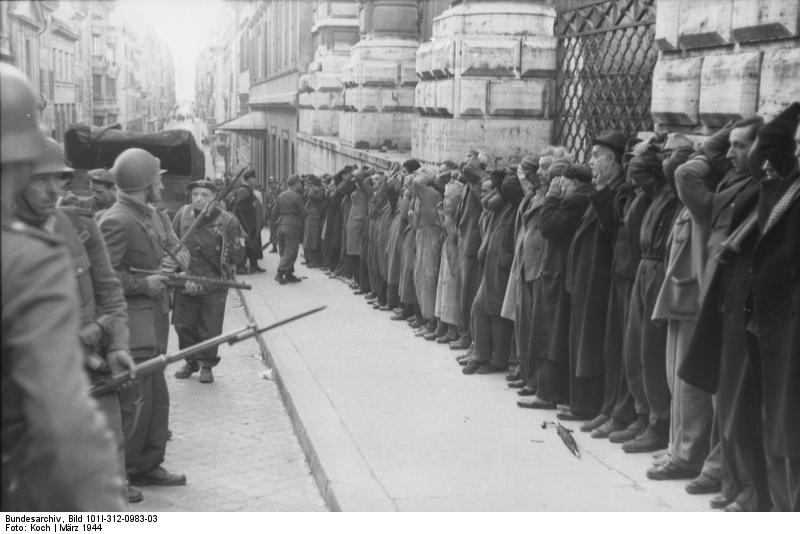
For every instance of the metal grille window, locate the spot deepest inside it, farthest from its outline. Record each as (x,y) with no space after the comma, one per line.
(606,54)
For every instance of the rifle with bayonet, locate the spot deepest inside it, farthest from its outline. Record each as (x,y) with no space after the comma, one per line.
(212,208)
(161,361)
(178,280)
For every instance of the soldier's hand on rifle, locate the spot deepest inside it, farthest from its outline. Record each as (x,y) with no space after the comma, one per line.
(193,288)
(155,284)
(120,361)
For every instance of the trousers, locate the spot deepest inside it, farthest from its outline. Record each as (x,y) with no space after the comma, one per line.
(147,441)
(198,318)
(492,335)
(288,247)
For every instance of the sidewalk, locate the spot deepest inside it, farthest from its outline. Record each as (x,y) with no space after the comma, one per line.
(232,439)
(389,422)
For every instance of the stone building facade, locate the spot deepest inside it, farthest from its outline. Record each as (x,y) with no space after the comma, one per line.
(436,79)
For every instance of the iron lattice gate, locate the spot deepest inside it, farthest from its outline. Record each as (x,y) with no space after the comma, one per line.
(606,56)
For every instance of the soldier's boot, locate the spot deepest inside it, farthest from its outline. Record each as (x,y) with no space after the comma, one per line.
(206,376)
(134,495)
(188,369)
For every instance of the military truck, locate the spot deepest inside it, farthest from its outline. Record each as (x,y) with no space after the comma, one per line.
(90,147)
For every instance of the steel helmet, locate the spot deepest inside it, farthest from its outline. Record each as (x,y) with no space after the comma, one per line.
(20,136)
(135,169)
(52,160)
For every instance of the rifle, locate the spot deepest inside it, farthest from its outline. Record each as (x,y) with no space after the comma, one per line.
(213,206)
(733,243)
(162,360)
(180,279)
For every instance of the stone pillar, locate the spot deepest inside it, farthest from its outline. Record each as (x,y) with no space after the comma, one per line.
(486,81)
(320,99)
(723,60)
(379,79)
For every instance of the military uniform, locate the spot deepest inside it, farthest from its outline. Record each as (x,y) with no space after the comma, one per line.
(104,315)
(136,235)
(58,454)
(215,247)
(291,214)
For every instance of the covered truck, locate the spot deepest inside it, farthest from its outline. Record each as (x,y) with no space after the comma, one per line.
(89,147)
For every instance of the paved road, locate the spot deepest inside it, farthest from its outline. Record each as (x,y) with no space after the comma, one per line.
(390,423)
(233,439)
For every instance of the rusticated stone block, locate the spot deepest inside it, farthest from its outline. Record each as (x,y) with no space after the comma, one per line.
(667,20)
(780,72)
(424,62)
(305,100)
(430,97)
(518,97)
(443,58)
(764,20)
(420,96)
(705,24)
(407,75)
(398,17)
(368,98)
(445,93)
(538,56)
(676,91)
(472,101)
(397,99)
(489,57)
(728,87)
(377,73)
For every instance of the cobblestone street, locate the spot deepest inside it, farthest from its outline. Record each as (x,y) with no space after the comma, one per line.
(233,439)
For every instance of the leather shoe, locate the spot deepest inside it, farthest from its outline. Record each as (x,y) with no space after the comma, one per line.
(570,416)
(158,477)
(719,502)
(463,361)
(598,421)
(488,368)
(471,367)
(517,384)
(430,336)
(385,307)
(526,391)
(279,279)
(648,441)
(670,471)
(134,495)
(536,403)
(398,318)
(607,428)
(206,376)
(289,277)
(513,375)
(257,269)
(186,371)
(632,430)
(703,484)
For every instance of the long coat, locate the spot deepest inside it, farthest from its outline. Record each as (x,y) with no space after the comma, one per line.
(357,226)
(315,209)
(499,257)
(428,247)
(469,241)
(776,307)
(588,280)
(559,220)
(394,246)
(332,228)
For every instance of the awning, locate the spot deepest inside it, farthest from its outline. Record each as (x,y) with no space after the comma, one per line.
(254,120)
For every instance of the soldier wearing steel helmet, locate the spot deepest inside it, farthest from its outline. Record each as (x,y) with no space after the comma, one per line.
(57,450)
(137,235)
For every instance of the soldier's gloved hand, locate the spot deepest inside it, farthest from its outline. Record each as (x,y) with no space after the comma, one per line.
(120,361)
(155,284)
(193,288)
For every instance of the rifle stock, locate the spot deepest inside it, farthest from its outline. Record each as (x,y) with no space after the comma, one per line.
(162,360)
(179,280)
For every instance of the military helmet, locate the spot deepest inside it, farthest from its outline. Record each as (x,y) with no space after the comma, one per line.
(52,160)
(20,136)
(136,169)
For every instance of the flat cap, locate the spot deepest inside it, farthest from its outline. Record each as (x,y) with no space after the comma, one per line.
(205,184)
(102,176)
(613,139)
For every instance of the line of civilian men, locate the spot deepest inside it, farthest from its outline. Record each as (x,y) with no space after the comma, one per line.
(655,293)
